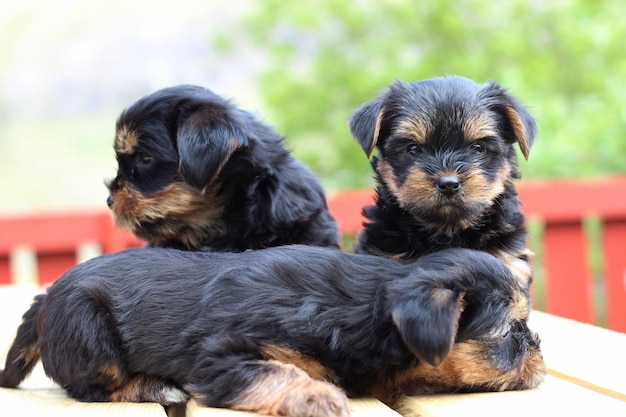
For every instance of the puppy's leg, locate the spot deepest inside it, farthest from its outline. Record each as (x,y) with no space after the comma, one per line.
(277,389)
(143,388)
(232,373)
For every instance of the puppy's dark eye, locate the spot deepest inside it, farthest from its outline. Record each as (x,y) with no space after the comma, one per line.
(413,148)
(478,147)
(146,160)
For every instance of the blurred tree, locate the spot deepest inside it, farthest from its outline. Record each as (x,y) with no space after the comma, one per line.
(564,59)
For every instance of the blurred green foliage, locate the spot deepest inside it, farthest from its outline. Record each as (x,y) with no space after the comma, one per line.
(564,59)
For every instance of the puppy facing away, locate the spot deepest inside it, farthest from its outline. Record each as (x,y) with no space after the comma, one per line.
(196,172)
(272,332)
(445,168)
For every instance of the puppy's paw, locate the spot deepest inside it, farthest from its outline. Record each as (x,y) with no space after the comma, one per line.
(315,399)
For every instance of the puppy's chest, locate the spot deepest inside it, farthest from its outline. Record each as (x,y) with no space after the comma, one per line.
(411,241)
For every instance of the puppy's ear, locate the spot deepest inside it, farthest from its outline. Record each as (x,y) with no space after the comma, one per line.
(365,125)
(206,141)
(428,323)
(518,125)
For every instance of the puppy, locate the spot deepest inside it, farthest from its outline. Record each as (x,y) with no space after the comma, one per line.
(445,168)
(272,332)
(195,172)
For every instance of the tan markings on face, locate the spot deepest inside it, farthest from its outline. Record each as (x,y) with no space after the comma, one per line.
(467,366)
(412,128)
(285,390)
(479,190)
(419,192)
(479,125)
(521,269)
(309,365)
(418,187)
(125,140)
(192,217)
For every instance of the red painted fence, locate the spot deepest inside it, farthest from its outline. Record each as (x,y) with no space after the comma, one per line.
(562,206)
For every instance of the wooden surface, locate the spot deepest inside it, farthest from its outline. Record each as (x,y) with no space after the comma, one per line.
(554,397)
(587,367)
(590,356)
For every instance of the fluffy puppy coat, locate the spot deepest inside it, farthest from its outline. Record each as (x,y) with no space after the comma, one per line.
(272,332)
(196,172)
(445,168)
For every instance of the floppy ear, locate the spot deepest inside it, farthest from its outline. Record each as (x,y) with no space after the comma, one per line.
(205,144)
(428,323)
(519,126)
(365,125)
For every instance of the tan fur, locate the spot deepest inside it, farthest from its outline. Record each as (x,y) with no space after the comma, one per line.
(175,201)
(475,191)
(125,140)
(379,120)
(479,125)
(309,365)
(468,365)
(290,391)
(413,129)
(520,131)
(520,268)
(143,388)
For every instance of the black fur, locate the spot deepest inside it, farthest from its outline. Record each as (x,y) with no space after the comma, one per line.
(421,133)
(238,187)
(200,321)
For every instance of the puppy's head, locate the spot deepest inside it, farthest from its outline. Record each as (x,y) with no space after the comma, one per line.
(465,319)
(445,146)
(171,148)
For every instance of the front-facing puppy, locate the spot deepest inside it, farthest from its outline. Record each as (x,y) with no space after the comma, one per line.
(196,172)
(281,331)
(445,169)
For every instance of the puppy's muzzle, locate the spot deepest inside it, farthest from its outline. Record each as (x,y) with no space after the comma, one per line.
(110,201)
(448,185)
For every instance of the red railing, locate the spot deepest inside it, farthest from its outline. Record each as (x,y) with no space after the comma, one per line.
(568,286)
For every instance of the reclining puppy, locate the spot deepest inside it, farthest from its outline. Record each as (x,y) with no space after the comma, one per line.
(196,172)
(282,331)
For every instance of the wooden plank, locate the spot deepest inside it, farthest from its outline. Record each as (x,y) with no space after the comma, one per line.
(51,232)
(568,284)
(554,397)
(54,402)
(5,269)
(614,246)
(196,410)
(370,407)
(571,199)
(583,354)
(361,407)
(51,266)
(346,207)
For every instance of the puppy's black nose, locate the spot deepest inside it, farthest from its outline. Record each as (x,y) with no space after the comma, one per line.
(110,201)
(448,185)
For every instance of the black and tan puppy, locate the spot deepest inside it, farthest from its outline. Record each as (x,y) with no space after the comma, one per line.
(445,169)
(273,332)
(196,172)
